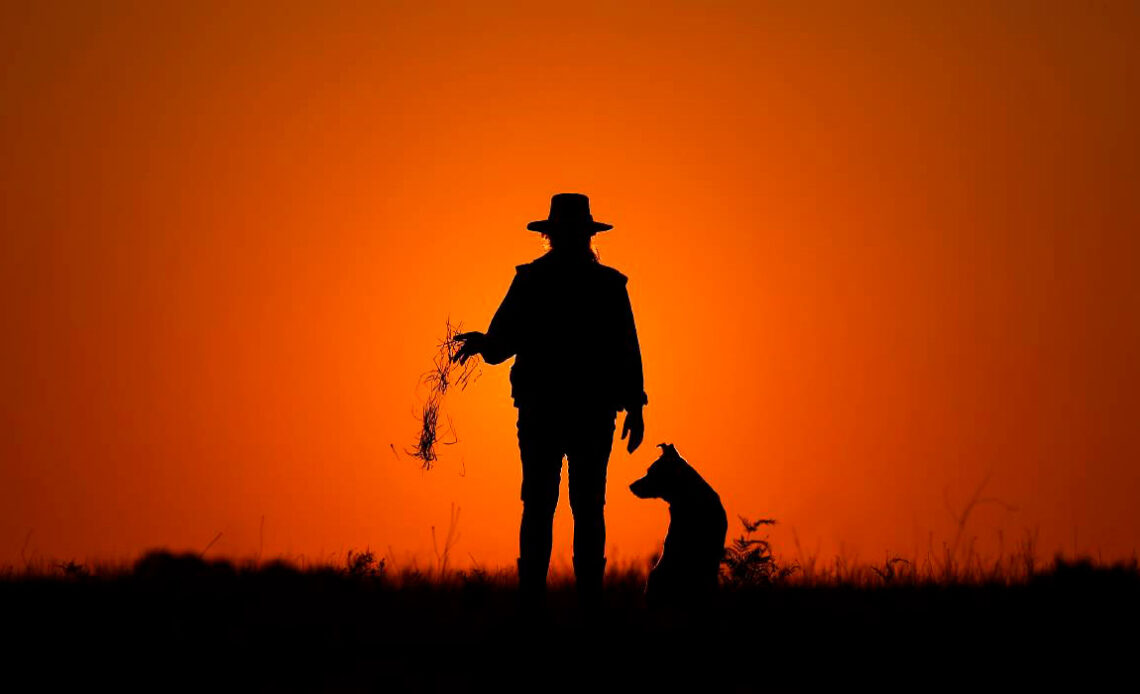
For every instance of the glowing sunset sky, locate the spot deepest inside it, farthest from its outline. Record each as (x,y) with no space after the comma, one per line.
(876,252)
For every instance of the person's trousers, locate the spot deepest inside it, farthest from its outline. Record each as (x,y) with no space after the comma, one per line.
(585,438)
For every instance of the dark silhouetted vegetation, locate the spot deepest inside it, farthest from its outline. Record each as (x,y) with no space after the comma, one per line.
(364,624)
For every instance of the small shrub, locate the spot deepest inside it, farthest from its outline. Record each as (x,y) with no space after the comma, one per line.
(890,574)
(749,561)
(364,564)
(71,569)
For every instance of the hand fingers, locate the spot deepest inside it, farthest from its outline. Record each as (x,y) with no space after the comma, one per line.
(637,433)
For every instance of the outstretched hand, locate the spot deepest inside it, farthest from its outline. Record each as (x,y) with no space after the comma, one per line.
(472,346)
(634,427)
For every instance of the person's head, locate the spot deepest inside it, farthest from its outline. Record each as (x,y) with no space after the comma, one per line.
(569,228)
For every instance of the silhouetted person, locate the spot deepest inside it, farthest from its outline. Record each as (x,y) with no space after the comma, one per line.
(567,321)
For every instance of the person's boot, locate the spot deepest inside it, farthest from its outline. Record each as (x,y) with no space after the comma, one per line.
(589,574)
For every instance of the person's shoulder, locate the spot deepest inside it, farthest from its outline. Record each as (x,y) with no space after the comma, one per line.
(611,274)
(526,269)
(552,266)
(544,266)
(539,264)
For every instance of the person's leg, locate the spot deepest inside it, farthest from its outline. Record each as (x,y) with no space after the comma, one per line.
(588,454)
(541,455)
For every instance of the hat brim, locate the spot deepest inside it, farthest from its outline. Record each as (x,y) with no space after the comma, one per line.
(546,225)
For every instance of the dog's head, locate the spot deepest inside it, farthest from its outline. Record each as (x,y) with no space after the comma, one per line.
(667,476)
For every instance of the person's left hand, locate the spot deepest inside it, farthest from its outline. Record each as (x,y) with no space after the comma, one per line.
(634,427)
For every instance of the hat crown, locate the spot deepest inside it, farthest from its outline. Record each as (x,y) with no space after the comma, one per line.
(570,207)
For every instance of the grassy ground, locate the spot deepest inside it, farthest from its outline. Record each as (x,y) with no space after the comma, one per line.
(179,621)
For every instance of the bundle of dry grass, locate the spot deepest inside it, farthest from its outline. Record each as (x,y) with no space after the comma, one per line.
(446,373)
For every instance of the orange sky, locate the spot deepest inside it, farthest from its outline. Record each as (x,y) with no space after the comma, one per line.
(875,253)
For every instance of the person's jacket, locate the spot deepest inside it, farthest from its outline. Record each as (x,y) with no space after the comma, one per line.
(569,324)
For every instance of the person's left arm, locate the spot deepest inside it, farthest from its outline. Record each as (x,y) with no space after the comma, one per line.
(632,391)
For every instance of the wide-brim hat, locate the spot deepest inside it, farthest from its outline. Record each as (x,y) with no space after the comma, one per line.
(569,212)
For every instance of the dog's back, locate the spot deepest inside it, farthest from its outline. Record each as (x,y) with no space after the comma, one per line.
(690,562)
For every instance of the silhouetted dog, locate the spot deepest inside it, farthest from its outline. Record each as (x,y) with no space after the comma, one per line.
(690,563)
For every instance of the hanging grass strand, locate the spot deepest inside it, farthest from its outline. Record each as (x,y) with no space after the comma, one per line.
(443,376)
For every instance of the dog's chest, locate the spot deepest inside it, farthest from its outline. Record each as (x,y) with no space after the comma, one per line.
(691,528)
